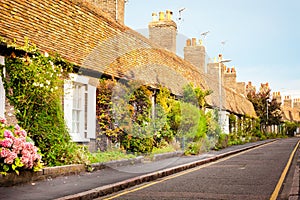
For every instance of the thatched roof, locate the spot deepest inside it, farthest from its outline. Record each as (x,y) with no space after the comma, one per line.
(81,33)
(290,114)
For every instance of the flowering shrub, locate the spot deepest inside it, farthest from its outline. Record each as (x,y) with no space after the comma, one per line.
(17,151)
(34,86)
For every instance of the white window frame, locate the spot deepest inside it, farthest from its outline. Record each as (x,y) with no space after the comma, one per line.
(80,108)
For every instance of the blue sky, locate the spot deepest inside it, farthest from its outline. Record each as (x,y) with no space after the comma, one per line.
(262,37)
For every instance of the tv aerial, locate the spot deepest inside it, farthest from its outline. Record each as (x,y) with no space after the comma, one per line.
(204,34)
(180,14)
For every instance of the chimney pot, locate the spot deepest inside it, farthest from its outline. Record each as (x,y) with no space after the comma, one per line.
(220,57)
(201,42)
(154,17)
(161,16)
(169,14)
(188,42)
(194,41)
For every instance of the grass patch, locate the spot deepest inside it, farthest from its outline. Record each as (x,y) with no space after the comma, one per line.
(107,156)
(166,149)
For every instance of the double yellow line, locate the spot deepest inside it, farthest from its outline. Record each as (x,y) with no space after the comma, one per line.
(274,194)
(283,175)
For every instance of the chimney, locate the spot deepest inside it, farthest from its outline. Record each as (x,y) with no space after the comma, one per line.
(264,88)
(115,8)
(277,97)
(241,88)
(195,54)
(163,31)
(296,104)
(287,102)
(229,76)
(250,89)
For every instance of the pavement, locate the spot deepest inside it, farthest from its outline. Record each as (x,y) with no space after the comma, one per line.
(117,176)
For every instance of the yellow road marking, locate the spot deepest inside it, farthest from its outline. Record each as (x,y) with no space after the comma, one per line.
(283,175)
(182,173)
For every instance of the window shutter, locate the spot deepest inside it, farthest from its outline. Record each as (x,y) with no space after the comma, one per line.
(91,114)
(68,105)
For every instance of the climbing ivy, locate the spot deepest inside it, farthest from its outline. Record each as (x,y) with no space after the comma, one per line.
(33,85)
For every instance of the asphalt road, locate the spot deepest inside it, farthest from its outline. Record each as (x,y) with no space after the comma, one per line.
(253,174)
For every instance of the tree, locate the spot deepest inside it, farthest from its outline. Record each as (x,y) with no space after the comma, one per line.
(195,95)
(266,109)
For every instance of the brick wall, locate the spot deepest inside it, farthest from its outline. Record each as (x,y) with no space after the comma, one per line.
(229,75)
(296,103)
(163,32)
(277,96)
(195,53)
(287,102)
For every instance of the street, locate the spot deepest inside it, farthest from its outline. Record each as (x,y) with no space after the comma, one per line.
(253,174)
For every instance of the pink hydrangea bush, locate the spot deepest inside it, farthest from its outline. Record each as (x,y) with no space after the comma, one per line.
(17,151)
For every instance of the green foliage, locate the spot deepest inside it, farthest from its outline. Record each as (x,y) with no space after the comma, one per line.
(171,110)
(213,127)
(100,157)
(138,144)
(163,147)
(222,141)
(195,95)
(124,115)
(267,110)
(104,110)
(196,147)
(289,128)
(34,87)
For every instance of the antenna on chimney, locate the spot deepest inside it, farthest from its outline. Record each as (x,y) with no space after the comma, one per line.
(223,42)
(180,13)
(204,34)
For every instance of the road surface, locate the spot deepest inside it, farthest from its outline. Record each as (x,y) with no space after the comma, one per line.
(254,174)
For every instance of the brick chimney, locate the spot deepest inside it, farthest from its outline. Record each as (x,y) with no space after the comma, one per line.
(241,88)
(297,103)
(250,89)
(115,8)
(230,77)
(264,87)
(163,31)
(287,102)
(277,97)
(194,52)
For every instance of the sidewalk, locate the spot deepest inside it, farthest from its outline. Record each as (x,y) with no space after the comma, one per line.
(114,178)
